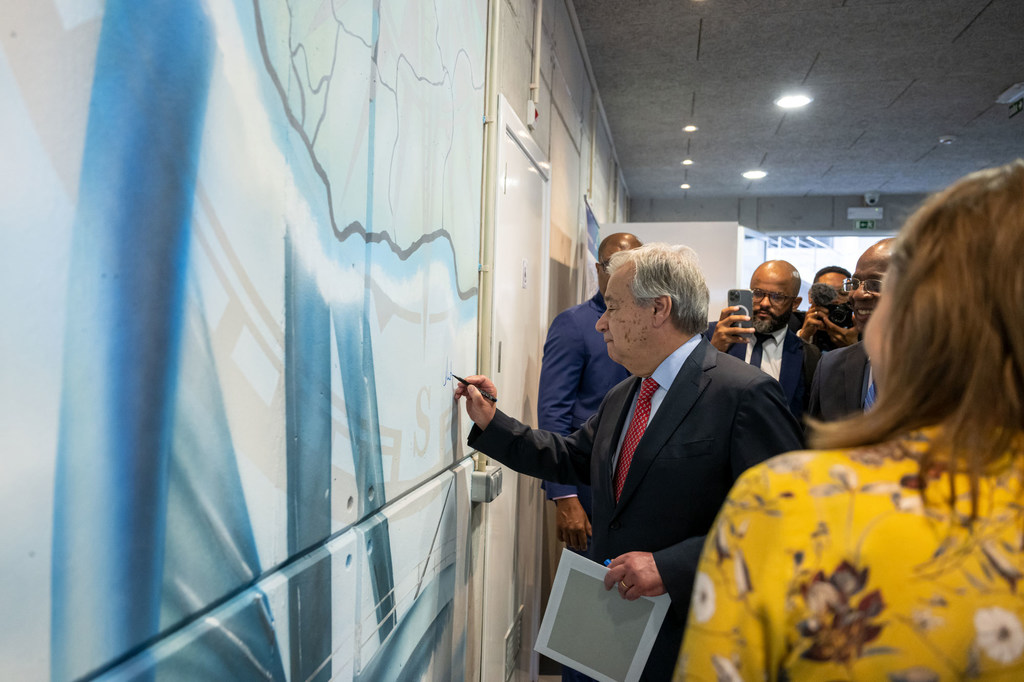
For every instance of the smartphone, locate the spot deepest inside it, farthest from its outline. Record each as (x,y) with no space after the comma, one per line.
(745,300)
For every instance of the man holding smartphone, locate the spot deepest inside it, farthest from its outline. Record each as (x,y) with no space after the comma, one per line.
(764,339)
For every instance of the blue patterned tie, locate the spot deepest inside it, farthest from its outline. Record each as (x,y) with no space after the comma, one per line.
(869,399)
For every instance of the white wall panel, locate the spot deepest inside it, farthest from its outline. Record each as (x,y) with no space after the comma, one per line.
(718,245)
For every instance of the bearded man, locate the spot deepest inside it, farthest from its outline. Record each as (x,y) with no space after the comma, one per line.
(768,343)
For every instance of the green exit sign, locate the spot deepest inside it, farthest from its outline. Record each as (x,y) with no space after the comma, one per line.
(1017,107)
(864,224)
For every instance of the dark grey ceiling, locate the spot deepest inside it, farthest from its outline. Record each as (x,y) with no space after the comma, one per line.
(888,79)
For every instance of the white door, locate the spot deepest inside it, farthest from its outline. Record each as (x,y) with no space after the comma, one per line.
(512,552)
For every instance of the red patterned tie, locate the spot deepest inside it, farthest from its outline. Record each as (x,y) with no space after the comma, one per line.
(635,431)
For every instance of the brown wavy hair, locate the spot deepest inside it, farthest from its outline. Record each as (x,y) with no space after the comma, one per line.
(954,339)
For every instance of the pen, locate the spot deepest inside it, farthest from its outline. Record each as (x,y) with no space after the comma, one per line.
(483,393)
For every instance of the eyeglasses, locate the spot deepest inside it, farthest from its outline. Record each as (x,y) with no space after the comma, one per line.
(774,296)
(871,286)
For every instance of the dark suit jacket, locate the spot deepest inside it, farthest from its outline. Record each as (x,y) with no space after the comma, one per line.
(839,383)
(719,417)
(575,375)
(799,360)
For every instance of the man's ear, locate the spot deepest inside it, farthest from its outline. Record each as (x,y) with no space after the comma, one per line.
(796,302)
(662,310)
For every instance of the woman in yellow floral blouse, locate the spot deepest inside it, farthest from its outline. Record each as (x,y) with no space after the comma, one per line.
(897,553)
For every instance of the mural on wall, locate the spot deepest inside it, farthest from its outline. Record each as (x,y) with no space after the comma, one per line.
(237,264)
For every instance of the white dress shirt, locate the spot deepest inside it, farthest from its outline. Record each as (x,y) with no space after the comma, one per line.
(665,374)
(771,360)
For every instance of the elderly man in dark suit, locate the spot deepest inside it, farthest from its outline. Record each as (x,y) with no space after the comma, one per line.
(665,445)
(843,383)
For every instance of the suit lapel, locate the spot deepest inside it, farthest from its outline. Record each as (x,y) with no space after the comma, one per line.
(684,392)
(792,364)
(853,378)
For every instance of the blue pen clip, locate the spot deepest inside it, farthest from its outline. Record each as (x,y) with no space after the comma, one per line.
(607,562)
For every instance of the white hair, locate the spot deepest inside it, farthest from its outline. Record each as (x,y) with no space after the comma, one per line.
(668,270)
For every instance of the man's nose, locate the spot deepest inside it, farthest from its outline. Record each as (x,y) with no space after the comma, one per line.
(600,324)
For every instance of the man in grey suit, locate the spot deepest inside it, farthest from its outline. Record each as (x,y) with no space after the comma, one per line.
(843,383)
(665,445)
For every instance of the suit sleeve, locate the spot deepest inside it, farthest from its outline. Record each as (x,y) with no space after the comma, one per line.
(762,427)
(561,370)
(726,627)
(812,356)
(814,402)
(542,454)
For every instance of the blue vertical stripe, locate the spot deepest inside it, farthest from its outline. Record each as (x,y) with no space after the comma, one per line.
(129,257)
(355,352)
(308,426)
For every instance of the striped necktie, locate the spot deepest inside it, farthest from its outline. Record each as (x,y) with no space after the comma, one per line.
(637,425)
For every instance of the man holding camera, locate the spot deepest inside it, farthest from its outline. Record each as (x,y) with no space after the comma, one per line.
(843,383)
(768,343)
(829,321)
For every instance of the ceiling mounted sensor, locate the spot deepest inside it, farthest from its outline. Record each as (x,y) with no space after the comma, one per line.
(754,174)
(947,139)
(793,101)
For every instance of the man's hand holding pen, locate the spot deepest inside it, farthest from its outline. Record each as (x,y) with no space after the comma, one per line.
(479,408)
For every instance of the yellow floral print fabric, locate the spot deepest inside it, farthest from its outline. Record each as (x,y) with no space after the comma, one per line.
(832,566)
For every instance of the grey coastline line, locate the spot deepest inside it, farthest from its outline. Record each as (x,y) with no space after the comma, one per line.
(355,227)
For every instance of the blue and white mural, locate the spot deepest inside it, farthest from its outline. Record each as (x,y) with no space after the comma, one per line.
(238,252)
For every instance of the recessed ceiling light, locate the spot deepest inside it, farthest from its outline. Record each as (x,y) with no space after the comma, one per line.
(754,174)
(793,101)
(687,162)
(685,185)
(690,129)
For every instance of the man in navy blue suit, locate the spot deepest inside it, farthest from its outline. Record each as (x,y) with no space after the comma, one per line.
(575,375)
(769,343)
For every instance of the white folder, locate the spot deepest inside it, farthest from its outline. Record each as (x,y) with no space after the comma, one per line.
(594,630)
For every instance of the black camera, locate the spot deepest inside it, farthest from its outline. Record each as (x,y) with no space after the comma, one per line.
(840,314)
(824,296)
